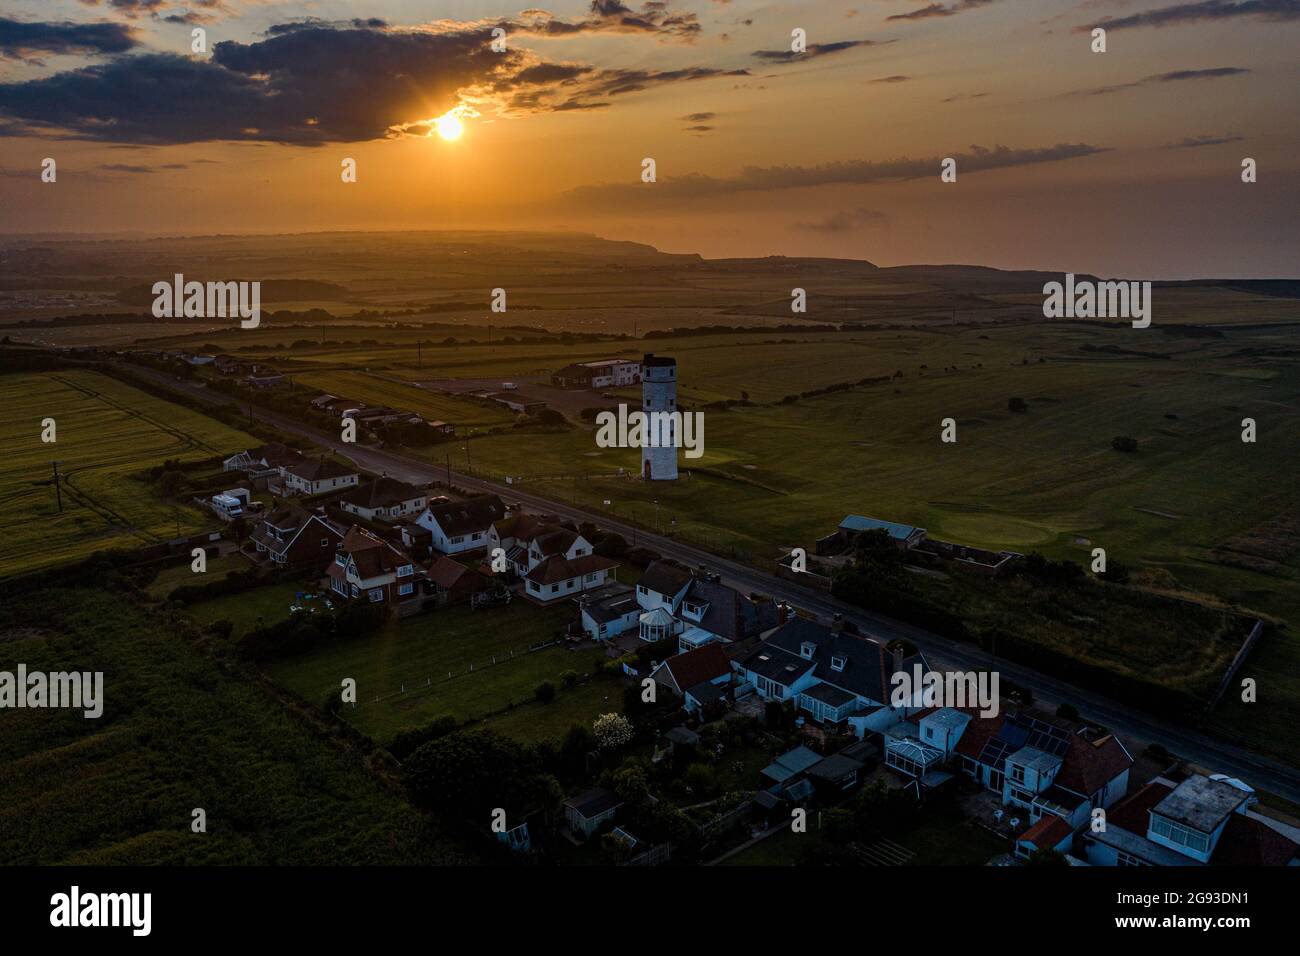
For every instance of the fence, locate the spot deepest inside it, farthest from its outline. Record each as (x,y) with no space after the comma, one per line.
(1247,646)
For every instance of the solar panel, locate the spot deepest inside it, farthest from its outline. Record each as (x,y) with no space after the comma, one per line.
(1046,737)
(994,751)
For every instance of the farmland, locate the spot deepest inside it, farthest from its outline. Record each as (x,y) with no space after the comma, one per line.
(487,654)
(177,732)
(107,433)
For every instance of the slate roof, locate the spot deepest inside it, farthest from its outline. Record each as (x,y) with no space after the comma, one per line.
(835,768)
(791,764)
(448,573)
(372,555)
(867,664)
(665,577)
(730,614)
(463,517)
(776,665)
(897,531)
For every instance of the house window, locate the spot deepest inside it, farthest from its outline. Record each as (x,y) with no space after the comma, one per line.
(1177,833)
(376,595)
(324,542)
(477,535)
(532,586)
(929,733)
(641,590)
(769,688)
(554,588)
(1017,773)
(405,571)
(458,539)
(406,589)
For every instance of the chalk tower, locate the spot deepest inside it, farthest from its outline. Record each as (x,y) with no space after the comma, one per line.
(659,394)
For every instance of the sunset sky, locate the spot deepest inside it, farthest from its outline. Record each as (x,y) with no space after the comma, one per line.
(1122,163)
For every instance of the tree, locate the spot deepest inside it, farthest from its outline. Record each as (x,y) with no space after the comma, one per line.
(474,771)
(1017,405)
(545,692)
(1124,443)
(611,731)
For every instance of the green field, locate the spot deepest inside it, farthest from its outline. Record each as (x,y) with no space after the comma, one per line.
(177,733)
(180,575)
(107,433)
(419,652)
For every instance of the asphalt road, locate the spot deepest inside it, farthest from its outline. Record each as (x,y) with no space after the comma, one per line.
(1136,727)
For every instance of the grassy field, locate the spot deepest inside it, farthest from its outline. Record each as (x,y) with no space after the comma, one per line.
(176,733)
(107,433)
(169,579)
(418,653)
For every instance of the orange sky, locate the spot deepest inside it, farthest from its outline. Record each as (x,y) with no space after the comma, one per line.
(1125,162)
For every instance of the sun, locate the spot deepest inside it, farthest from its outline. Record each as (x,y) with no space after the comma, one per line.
(449,126)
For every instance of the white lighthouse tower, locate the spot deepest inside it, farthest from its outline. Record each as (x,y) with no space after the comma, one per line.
(659,394)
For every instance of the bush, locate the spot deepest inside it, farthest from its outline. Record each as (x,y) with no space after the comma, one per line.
(410,739)
(1067,712)
(545,692)
(1017,405)
(568,679)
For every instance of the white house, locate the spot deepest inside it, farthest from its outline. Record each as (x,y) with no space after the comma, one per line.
(659,593)
(839,679)
(315,476)
(559,577)
(460,526)
(608,611)
(384,499)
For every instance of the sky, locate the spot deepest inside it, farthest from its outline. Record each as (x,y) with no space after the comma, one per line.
(1122,163)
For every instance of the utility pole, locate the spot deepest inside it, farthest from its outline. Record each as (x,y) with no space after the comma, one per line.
(448,469)
(58,492)
(419,354)
(251,394)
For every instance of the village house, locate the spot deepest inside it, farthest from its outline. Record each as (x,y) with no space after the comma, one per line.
(453,583)
(559,577)
(292,537)
(1042,768)
(314,476)
(699,677)
(384,499)
(659,593)
(839,679)
(603,373)
(608,611)
(904,536)
(368,568)
(1194,821)
(461,526)
(710,611)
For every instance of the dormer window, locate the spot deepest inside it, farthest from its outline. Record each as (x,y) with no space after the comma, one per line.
(807,649)
(837,663)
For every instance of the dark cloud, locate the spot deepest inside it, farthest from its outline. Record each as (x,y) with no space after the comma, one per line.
(814,50)
(957,97)
(23,41)
(844,220)
(125,168)
(699,117)
(849,172)
(1207,11)
(896,78)
(1192,142)
(317,82)
(940,10)
(1177,76)
(699,129)
(611,16)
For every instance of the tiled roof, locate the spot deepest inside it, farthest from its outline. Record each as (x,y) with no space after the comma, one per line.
(1089,766)
(1246,841)
(472,514)
(1049,831)
(867,665)
(317,469)
(665,577)
(447,573)
(699,666)
(730,614)
(558,568)
(382,493)
(373,556)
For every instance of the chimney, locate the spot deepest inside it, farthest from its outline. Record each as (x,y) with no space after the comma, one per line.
(782,613)
(837,623)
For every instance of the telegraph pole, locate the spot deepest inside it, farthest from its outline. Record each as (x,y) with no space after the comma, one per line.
(58,492)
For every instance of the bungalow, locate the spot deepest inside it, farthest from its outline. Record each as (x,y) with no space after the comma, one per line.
(1195,821)
(384,499)
(787,775)
(1049,833)
(460,526)
(453,583)
(314,476)
(691,675)
(559,577)
(839,679)
(262,461)
(608,611)
(294,538)
(367,565)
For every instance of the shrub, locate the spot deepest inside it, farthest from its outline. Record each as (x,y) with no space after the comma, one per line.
(1017,405)
(1067,712)
(611,731)
(568,679)
(545,692)
(1124,443)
